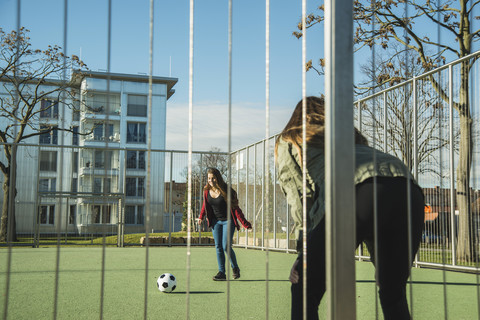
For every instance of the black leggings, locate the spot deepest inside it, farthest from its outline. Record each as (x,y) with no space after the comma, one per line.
(393,262)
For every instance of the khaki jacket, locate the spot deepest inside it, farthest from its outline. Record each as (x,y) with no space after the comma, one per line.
(369,163)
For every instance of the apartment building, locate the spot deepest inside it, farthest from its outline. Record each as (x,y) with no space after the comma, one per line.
(93,178)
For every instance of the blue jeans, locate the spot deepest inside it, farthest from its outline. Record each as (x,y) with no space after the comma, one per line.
(220,234)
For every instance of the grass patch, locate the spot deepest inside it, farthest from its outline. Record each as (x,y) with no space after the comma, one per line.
(33,276)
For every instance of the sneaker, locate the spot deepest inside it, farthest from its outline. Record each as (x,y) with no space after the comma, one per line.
(236,273)
(220,276)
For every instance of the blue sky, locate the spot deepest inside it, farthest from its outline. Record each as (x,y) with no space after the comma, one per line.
(87,36)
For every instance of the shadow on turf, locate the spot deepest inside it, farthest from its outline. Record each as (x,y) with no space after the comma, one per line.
(429,282)
(259,280)
(196,292)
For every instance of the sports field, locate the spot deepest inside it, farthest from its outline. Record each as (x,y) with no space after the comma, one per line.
(33,276)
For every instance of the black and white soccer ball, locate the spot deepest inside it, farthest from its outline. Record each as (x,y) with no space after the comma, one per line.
(166,282)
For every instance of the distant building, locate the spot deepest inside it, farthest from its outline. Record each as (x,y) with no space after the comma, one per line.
(77,182)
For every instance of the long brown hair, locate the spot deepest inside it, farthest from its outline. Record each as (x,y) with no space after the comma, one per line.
(220,184)
(315,126)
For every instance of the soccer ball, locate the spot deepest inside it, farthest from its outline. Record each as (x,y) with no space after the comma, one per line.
(166,282)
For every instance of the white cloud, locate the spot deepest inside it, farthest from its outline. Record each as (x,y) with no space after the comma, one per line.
(210,124)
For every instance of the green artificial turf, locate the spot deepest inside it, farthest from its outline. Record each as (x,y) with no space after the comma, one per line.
(33,275)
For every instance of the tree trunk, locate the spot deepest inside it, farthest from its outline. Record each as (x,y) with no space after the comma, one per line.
(465,241)
(4,219)
(8,227)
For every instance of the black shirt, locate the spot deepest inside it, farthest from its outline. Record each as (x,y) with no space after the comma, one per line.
(219,206)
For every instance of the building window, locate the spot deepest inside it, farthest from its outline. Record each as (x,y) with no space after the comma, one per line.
(76,110)
(102,103)
(75,162)
(49,137)
(47,185)
(98,132)
(97,185)
(75,136)
(136,132)
(49,109)
(101,214)
(136,160)
(135,187)
(103,131)
(48,161)
(137,105)
(103,159)
(72,214)
(47,214)
(134,215)
(74,187)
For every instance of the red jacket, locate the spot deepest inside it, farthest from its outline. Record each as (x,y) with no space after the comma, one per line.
(236,214)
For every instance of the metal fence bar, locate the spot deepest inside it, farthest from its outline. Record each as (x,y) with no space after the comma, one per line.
(264,183)
(247,188)
(190,148)
(452,171)
(339,161)
(229,174)
(58,217)
(148,207)
(267,151)
(255,194)
(171,223)
(304,160)
(12,181)
(385,140)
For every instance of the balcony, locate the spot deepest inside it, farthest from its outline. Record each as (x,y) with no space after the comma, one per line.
(98,167)
(99,105)
(115,138)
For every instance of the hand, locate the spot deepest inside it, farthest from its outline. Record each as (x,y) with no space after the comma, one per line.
(199,221)
(294,276)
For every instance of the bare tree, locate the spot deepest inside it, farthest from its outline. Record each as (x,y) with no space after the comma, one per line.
(394,132)
(33,84)
(381,23)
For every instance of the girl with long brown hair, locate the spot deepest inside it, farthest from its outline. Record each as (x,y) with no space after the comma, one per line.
(215,195)
(386,196)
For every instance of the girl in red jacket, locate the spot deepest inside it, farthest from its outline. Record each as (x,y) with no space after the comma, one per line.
(215,209)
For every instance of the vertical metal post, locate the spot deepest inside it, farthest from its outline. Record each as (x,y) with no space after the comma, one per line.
(288,225)
(267,148)
(67,218)
(122,216)
(171,224)
(415,129)
(339,160)
(263,197)
(200,197)
(247,162)
(359,127)
(119,224)
(238,182)
(415,150)
(452,171)
(274,180)
(385,145)
(123,200)
(11,226)
(36,231)
(254,194)
(360,116)
(190,149)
